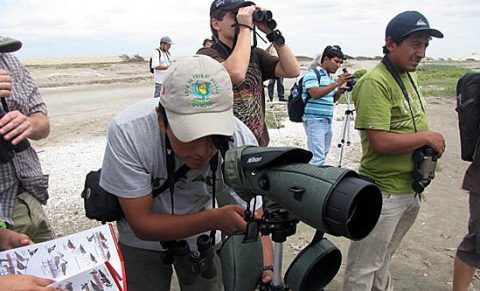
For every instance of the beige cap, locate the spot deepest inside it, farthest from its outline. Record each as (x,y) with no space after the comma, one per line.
(198,98)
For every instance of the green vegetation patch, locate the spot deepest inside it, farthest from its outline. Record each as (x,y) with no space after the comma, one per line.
(440,80)
(275,116)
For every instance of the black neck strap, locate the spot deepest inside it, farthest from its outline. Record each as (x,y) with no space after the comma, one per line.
(391,69)
(4,104)
(170,170)
(172,176)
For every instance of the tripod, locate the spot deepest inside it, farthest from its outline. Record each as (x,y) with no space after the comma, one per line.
(281,224)
(345,140)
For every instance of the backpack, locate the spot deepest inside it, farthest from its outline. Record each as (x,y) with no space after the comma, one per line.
(295,104)
(104,206)
(100,204)
(150,62)
(468,110)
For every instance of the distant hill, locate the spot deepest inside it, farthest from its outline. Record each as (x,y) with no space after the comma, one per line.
(304,59)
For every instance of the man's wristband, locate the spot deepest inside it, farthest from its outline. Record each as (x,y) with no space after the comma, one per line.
(276,37)
(268,268)
(244,25)
(3,224)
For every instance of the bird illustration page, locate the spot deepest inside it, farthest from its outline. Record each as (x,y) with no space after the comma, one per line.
(87,260)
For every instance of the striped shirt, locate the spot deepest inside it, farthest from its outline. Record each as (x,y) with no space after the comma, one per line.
(23,172)
(322,107)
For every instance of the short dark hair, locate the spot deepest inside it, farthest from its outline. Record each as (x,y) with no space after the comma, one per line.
(217,14)
(163,113)
(332,51)
(205,41)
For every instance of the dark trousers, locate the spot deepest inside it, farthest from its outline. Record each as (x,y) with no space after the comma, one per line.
(146,270)
(280,88)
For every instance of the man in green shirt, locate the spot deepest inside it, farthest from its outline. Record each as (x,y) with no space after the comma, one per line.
(392,126)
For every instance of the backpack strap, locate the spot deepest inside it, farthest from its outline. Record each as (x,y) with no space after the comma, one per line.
(222,49)
(159,55)
(318,79)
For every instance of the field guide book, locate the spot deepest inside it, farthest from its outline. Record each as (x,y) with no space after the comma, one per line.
(89,260)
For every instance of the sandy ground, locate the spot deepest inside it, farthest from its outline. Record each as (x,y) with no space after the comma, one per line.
(83,98)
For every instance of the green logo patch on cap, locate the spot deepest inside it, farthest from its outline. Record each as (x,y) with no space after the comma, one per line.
(202,87)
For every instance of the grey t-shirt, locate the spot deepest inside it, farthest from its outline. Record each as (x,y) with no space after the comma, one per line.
(135,154)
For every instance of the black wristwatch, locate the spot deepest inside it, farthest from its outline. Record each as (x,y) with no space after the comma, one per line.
(276,37)
(268,268)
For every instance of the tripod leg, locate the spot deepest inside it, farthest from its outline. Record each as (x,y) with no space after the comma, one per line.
(277,265)
(341,157)
(348,131)
(344,128)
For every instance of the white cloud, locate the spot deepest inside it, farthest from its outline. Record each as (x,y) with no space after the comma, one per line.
(68,27)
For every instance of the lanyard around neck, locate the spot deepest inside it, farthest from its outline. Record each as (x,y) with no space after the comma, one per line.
(391,69)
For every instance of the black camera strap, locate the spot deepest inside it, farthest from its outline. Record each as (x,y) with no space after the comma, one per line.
(317,73)
(172,177)
(388,64)
(4,104)
(170,183)
(213,168)
(391,69)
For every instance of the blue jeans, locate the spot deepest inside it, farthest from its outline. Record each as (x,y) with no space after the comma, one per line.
(146,270)
(319,138)
(280,88)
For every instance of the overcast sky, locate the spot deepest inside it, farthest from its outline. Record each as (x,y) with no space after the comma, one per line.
(51,28)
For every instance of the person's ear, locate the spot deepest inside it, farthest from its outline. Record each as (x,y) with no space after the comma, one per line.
(215,23)
(390,44)
(160,120)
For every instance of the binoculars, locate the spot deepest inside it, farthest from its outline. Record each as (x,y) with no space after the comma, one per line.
(265,16)
(425,159)
(7,149)
(198,262)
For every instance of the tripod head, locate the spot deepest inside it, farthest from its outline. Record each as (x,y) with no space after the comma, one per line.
(281,224)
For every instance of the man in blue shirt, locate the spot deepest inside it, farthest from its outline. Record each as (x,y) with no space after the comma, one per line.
(320,91)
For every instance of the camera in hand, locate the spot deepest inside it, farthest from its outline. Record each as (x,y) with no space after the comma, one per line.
(351,82)
(7,149)
(425,159)
(200,261)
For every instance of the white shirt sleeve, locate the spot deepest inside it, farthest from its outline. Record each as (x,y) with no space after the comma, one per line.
(244,136)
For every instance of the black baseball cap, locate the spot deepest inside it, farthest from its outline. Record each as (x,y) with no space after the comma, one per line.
(409,22)
(228,5)
(9,45)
